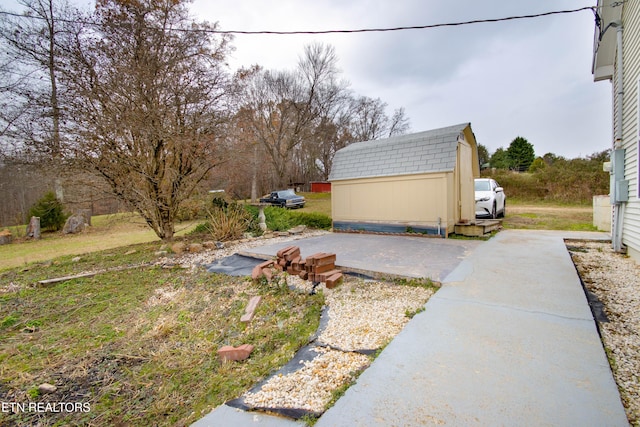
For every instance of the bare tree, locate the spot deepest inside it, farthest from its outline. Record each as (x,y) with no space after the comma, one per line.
(150,86)
(32,107)
(352,120)
(285,106)
(399,123)
(369,120)
(277,114)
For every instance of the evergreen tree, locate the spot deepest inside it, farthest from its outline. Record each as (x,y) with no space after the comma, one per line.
(520,154)
(50,211)
(500,159)
(483,155)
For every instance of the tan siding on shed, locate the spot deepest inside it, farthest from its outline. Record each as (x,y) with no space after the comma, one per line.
(405,200)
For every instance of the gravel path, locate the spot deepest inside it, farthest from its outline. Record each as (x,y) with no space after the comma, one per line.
(615,280)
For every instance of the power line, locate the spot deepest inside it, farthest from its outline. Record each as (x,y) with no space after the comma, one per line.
(362,30)
(417,27)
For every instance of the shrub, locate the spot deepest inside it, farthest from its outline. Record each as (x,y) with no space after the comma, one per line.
(50,211)
(279,219)
(229,223)
(191,209)
(311,219)
(557,180)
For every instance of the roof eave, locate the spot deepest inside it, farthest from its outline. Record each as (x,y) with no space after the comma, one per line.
(431,172)
(604,43)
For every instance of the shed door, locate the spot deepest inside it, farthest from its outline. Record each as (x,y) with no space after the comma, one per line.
(466,204)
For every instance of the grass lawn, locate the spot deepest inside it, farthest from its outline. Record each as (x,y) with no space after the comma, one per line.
(541,216)
(106,232)
(317,202)
(138,346)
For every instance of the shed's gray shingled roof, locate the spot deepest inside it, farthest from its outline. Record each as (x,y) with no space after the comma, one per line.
(430,151)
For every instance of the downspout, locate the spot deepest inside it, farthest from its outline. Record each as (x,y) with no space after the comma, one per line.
(616,234)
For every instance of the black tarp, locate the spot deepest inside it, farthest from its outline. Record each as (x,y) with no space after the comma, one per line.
(234,265)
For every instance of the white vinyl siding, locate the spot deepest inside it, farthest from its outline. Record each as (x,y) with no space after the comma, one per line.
(631,122)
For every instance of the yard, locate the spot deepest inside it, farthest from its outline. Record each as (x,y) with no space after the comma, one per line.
(138,341)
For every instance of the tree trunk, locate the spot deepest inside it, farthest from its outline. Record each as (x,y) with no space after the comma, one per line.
(254,177)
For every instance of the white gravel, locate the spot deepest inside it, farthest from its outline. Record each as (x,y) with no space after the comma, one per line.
(363,315)
(310,387)
(615,280)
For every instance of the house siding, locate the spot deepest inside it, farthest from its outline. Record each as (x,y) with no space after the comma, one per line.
(630,135)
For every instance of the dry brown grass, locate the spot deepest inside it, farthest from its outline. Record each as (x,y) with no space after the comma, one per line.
(106,232)
(549,217)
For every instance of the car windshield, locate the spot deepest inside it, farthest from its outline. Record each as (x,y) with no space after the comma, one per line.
(286,193)
(483,186)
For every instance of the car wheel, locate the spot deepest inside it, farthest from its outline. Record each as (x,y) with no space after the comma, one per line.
(504,210)
(494,214)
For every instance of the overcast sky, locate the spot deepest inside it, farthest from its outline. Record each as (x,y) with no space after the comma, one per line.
(529,78)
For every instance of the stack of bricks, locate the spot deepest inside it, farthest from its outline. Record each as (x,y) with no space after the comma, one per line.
(321,267)
(316,268)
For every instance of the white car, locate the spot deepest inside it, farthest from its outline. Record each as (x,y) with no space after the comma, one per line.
(491,202)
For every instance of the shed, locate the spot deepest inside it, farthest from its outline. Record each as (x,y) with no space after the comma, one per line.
(320,187)
(422,182)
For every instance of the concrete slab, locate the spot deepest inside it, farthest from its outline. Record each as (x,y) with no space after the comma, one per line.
(508,340)
(225,415)
(383,255)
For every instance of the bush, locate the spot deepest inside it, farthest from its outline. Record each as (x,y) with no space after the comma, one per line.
(279,219)
(230,222)
(560,180)
(191,209)
(50,211)
(311,219)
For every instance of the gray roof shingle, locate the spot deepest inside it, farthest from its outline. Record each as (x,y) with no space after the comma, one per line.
(430,151)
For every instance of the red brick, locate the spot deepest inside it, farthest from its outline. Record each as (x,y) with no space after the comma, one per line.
(256,273)
(334,280)
(249,311)
(322,277)
(312,258)
(291,254)
(227,353)
(258,270)
(325,259)
(281,252)
(323,268)
(304,275)
(267,263)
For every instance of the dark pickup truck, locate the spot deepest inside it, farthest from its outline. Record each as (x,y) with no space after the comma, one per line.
(284,199)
